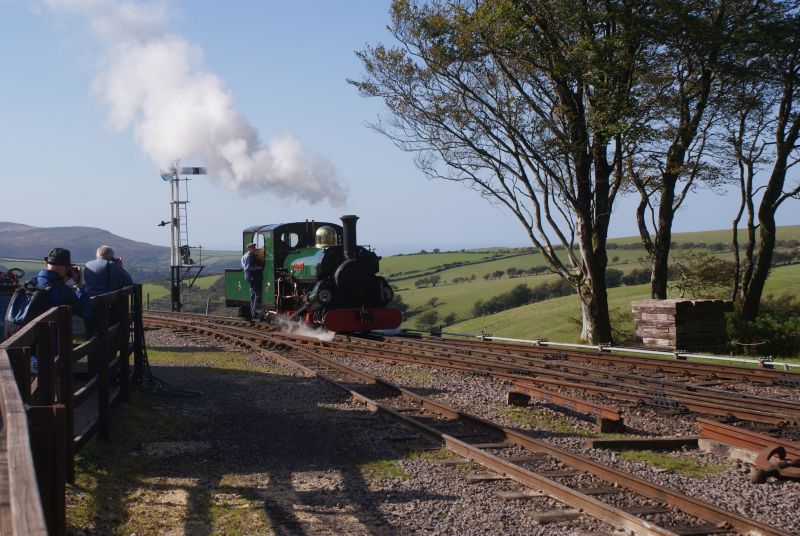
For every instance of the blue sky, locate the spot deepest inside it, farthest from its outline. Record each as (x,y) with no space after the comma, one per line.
(285,64)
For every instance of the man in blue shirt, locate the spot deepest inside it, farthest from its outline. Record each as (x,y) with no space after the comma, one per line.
(105,273)
(254,275)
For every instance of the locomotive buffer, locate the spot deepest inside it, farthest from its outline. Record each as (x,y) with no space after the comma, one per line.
(181,263)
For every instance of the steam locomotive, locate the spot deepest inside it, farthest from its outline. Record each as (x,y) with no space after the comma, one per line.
(315,273)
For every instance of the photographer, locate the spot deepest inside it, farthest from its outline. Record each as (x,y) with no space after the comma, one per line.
(105,273)
(58,270)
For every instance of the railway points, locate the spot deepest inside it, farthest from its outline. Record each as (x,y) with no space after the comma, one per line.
(329,359)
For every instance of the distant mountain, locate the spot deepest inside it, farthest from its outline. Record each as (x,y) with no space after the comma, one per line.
(20,241)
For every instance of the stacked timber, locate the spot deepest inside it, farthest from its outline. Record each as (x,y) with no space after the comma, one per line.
(688,325)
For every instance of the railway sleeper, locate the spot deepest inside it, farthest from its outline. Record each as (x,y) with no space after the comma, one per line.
(576,500)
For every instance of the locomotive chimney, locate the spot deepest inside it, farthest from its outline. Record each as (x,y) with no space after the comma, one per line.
(349,236)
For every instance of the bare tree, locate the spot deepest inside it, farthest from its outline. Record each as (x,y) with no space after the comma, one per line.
(747,126)
(764,132)
(688,66)
(526,102)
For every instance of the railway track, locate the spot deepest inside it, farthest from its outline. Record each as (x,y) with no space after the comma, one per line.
(691,394)
(682,367)
(583,485)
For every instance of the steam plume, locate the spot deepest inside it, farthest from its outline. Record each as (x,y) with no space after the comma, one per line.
(154,82)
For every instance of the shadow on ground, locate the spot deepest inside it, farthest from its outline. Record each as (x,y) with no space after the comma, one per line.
(258,453)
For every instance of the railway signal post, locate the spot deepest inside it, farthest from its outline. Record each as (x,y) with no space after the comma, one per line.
(181,263)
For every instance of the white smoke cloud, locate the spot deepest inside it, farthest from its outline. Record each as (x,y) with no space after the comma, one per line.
(153,82)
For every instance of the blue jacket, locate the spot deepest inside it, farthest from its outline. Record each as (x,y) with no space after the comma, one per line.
(60,294)
(250,263)
(101,276)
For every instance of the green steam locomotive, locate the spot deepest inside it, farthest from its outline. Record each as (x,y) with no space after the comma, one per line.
(315,273)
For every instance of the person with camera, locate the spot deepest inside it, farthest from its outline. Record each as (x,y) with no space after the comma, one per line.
(105,273)
(58,270)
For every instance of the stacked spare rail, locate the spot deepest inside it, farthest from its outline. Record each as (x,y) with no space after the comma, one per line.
(583,485)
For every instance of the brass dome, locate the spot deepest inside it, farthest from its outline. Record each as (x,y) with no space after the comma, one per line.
(325,236)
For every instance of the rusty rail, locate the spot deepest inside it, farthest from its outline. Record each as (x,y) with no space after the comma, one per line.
(668,394)
(34,472)
(661,362)
(475,357)
(746,439)
(606,350)
(323,367)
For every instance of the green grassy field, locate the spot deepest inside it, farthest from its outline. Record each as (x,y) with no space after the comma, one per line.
(31,268)
(459,299)
(785,232)
(214,256)
(161,289)
(550,319)
(557,319)
(155,291)
(205,282)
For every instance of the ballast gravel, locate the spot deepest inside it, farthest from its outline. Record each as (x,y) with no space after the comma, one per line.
(775,503)
(325,488)
(430,496)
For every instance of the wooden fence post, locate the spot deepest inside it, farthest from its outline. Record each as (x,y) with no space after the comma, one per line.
(46,423)
(45,354)
(123,345)
(138,335)
(65,371)
(20,359)
(102,359)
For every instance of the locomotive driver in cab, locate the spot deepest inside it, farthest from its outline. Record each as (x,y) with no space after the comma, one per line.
(254,275)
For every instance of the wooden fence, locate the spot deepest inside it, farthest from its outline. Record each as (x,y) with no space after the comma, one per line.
(38,440)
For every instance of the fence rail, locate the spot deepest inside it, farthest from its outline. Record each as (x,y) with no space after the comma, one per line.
(38,440)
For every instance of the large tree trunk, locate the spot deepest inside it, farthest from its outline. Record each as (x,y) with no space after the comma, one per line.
(592,235)
(596,324)
(787,134)
(659,258)
(766,246)
(766,243)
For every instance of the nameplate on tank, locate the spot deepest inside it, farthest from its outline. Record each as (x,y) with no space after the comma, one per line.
(298,266)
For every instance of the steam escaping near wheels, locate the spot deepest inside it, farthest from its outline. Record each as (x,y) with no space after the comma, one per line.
(300,328)
(154,82)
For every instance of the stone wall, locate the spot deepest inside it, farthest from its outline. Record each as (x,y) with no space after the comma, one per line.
(690,325)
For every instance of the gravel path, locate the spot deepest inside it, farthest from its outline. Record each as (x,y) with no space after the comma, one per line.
(313,460)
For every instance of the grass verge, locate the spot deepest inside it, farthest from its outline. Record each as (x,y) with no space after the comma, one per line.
(159,474)
(537,418)
(685,466)
(382,470)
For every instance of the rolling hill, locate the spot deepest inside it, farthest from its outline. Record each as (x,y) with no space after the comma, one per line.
(18,241)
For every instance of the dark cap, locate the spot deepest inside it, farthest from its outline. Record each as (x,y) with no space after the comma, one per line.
(59,257)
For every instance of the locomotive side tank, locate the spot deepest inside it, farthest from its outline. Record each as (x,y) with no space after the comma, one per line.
(316,273)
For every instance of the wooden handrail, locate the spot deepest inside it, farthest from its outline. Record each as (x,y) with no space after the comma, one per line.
(34,463)
(26,336)
(20,507)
